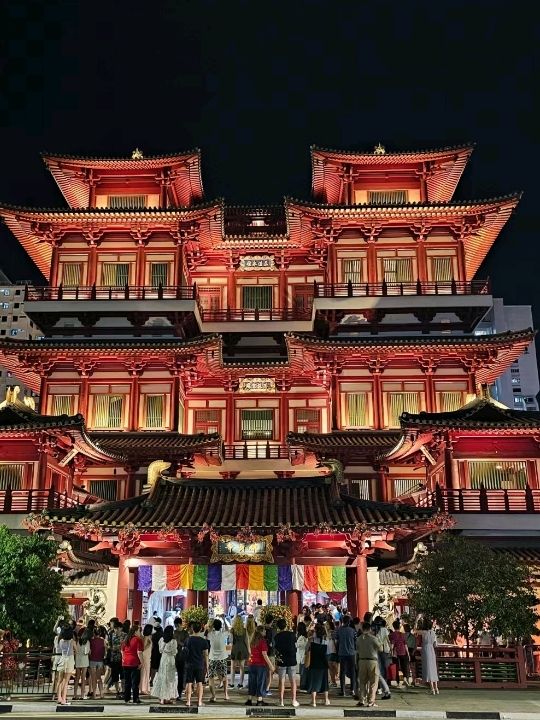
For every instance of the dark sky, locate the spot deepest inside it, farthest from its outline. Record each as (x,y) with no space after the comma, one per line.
(253,84)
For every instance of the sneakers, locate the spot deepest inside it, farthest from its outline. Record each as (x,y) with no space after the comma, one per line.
(295,703)
(268,693)
(386,696)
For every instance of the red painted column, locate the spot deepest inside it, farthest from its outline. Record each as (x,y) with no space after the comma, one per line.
(350,575)
(293,601)
(202,599)
(191,598)
(362,598)
(123,589)
(137,598)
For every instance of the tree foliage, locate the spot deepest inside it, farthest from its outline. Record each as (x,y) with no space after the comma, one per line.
(464,586)
(30,599)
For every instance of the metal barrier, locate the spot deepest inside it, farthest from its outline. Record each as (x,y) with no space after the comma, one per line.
(26,673)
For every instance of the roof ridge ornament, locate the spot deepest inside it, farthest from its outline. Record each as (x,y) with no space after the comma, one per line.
(137,154)
(379,149)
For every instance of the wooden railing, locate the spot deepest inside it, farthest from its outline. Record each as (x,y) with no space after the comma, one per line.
(243,314)
(118,292)
(26,501)
(489,667)
(256,451)
(384,289)
(464,500)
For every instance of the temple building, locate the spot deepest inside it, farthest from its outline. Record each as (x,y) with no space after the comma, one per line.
(269,401)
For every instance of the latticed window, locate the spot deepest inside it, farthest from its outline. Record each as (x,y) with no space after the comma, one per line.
(351,269)
(387,197)
(210,298)
(153,417)
(400,402)
(398,270)
(62,405)
(71,274)
(108,411)
(114,274)
(207,421)
(257,424)
(404,486)
(257,297)
(105,489)
(307,420)
(127,201)
(11,475)
(450,400)
(360,488)
(498,475)
(159,274)
(356,405)
(442,269)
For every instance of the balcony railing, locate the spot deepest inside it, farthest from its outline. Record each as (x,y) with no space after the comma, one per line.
(118,292)
(464,500)
(26,501)
(243,314)
(385,289)
(256,451)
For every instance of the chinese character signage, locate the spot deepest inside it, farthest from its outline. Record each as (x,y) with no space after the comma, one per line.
(257,385)
(257,262)
(228,549)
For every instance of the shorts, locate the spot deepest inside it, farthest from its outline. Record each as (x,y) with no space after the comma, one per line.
(289,670)
(332,657)
(55,662)
(96,664)
(194,674)
(217,668)
(66,665)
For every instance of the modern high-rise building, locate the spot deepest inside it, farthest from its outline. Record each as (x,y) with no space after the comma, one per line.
(270,399)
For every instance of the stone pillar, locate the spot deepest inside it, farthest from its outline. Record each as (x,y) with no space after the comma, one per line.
(123,589)
(362,596)
(293,601)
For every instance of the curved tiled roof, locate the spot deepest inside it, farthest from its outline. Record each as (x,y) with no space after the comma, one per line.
(478,414)
(351,443)
(146,160)
(261,504)
(430,152)
(146,446)
(17,416)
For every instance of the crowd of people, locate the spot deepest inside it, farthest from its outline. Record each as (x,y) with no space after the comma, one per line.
(326,648)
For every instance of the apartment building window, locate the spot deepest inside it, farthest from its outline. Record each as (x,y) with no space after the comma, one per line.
(5,306)
(104,489)
(11,475)
(17,305)
(449,400)
(71,274)
(5,291)
(356,408)
(398,270)
(442,269)
(159,274)
(498,474)
(114,274)
(399,402)
(63,404)
(153,411)
(351,270)
(4,318)
(257,424)
(108,411)
(14,331)
(307,420)
(127,201)
(207,421)
(387,197)
(257,297)
(15,318)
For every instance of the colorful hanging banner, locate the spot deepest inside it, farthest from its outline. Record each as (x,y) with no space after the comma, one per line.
(215,577)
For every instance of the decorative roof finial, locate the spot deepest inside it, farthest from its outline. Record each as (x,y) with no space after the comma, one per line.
(137,154)
(379,149)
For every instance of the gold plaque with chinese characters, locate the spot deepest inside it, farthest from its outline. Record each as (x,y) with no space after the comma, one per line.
(257,385)
(257,262)
(228,549)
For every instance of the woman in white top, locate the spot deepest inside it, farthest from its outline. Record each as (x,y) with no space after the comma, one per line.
(145,665)
(66,664)
(165,686)
(217,658)
(82,663)
(429,659)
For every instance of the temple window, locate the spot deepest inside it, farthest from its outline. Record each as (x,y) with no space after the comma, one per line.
(307,420)
(498,474)
(402,397)
(351,270)
(104,489)
(108,411)
(63,404)
(442,269)
(450,400)
(159,274)
(387,197)
(210,298)
(127,201)
(114,274)
(71,274)
(257,424)
(257,297)
(398,270)
(154,411)
(207,421)
(356,409)
(404,486)
(360,487)
(11,475)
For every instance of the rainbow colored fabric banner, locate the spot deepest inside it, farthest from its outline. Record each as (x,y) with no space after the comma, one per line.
(312,578)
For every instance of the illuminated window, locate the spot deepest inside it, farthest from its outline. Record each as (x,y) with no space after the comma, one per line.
(351,269)
(257,297)
(356,408)
(153,411)
(71,274)
(114,274)
(448,401)
(127,201)
(11,475)
(498,474)
(387,197)
(442,269)
(104,489)
(108,411)
(399,402)
(257,424)
(159,274)
(63,404)
(398,270)
(307,420)
(207,421)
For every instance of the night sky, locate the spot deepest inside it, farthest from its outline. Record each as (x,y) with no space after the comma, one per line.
(254,84)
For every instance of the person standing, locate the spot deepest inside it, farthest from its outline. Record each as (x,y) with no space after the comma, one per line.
(196,651)
(400,652)
(240,650)
(345,639)
(180,635)
(82,662)
(257,612)
(285,647)
(333,665)
(217,658)
(317,675)
(368,647)
(155,655)
(429,659)
(384,657)
(96,661)
(301,646)
(116,638)
(259,663)
(269,636)
(165,685)
(66,664)
(145,664)
(132,650)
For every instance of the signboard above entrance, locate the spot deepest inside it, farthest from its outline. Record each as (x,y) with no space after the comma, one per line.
(228,549)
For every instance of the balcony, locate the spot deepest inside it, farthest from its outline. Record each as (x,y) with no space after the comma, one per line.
(119,310)
(256,451)
(274,320)
(27,501)
(420,306)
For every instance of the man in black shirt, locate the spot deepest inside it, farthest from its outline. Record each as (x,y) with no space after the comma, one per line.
(285,648)
(196,663)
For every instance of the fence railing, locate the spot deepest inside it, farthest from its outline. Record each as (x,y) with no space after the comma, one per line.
(242,314)
(26,673)
(113,292)
(465,500)
(256,451)
(383,289)
(493,667)
(26,501)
